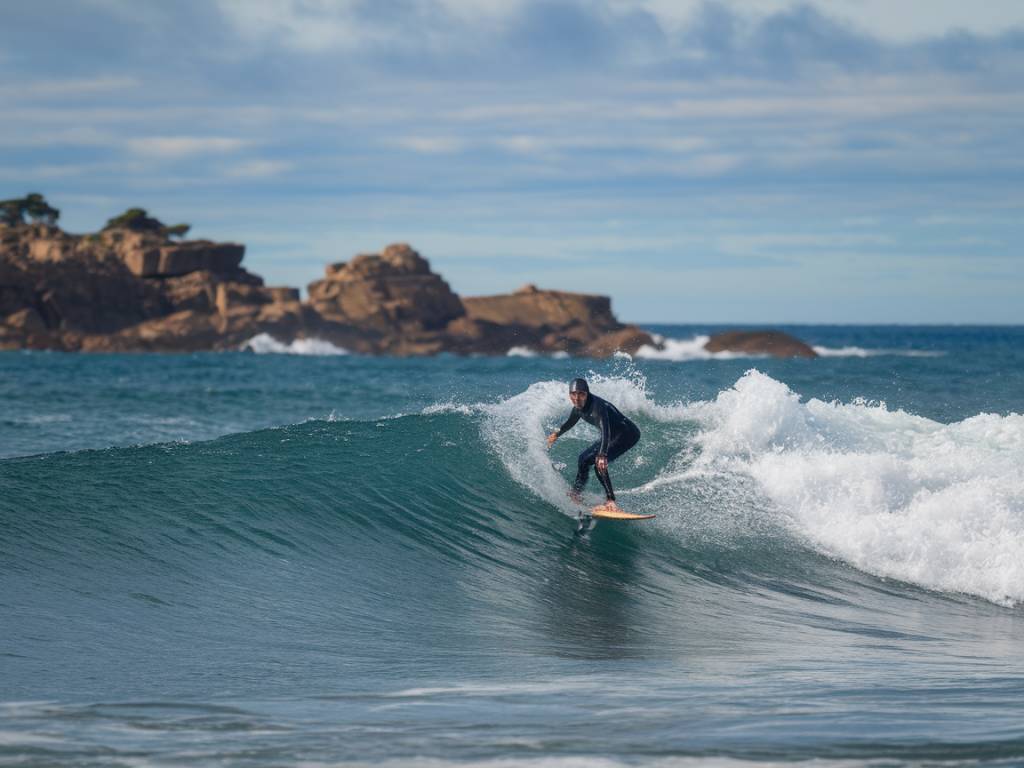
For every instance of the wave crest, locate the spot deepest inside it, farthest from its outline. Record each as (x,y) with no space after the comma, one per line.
(265,344)
(896,495)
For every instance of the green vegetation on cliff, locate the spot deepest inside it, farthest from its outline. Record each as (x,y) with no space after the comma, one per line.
(33,206)
(138,220)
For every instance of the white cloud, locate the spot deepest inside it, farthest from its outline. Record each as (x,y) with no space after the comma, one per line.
(171,147)
(307,25)
(899,22)
(259,169)
(44,89)
(431,145)
(320,24)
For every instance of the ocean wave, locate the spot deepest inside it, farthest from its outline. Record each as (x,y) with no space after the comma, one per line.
(756,469)
(265,344)
(527,352)
(894,494)
(684,350)
(862,352)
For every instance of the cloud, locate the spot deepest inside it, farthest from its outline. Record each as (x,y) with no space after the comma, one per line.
(171,147)
(437,118)
(48,89)
(431,145)
(259,169)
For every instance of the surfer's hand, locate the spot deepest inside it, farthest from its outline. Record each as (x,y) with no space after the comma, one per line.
(602,463)
(551,438)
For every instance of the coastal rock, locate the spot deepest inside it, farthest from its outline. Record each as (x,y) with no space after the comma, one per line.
(531,307)
(149,254)
(124,289)
(131,287)
(774,343)
(389,292)
(628,339)
(180,259)
(556,321)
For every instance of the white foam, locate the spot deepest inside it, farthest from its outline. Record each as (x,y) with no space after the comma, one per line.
(521,352)
(896,495)
(265,344)
(527,352)
(681,350)
(862,352)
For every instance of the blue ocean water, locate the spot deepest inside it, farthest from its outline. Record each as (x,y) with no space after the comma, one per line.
(303,559)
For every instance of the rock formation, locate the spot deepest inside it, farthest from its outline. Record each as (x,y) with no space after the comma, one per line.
(131,287)
(557,321)
(774,343)
(129,290)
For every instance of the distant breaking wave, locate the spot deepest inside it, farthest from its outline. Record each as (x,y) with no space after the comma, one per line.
(527,352)
(682,350)
(861,352)
(265,344)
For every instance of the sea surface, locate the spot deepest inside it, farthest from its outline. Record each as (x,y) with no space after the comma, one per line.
(300,557)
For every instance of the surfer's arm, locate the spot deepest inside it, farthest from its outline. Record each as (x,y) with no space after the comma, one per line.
(569,423)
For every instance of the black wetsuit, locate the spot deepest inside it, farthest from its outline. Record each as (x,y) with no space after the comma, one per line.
(618,435)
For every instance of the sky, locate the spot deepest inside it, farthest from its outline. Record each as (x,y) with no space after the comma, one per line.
(744,161)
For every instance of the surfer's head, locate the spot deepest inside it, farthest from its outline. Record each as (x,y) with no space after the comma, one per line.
(579,391)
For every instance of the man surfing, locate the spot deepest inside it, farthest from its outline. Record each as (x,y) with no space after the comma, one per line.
(618,435)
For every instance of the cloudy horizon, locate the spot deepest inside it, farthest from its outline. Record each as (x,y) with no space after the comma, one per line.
(757,161)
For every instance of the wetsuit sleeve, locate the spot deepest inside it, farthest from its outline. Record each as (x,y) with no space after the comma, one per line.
(570,422)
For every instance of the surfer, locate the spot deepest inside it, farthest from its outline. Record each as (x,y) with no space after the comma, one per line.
(618,435)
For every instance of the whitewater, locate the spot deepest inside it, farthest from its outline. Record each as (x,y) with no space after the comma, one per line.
(306,557)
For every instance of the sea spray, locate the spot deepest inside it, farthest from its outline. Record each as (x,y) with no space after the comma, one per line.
(265,344)
(692,349)
(897,495)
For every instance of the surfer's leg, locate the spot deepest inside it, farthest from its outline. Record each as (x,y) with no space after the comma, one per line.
(619,445)
(584,463)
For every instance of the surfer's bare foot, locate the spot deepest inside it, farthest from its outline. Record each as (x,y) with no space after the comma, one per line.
(575,497)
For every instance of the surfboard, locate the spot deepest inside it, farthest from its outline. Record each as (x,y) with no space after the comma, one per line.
(616,514)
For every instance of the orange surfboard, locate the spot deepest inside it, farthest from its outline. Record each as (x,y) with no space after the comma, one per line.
(616,514)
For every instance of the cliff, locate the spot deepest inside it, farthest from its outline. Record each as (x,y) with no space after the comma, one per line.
(131,287)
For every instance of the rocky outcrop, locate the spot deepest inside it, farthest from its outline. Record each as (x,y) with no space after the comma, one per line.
(132,287)
(555,321)
(122,289)
(391,292)
(532,307)
(774,343)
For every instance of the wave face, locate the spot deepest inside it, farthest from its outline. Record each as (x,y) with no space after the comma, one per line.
(827,580)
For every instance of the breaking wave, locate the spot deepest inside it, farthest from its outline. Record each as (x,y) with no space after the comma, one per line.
(265,344)
(683,350)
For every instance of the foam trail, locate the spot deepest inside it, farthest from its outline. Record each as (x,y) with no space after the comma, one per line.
(897,495)
(265,344)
